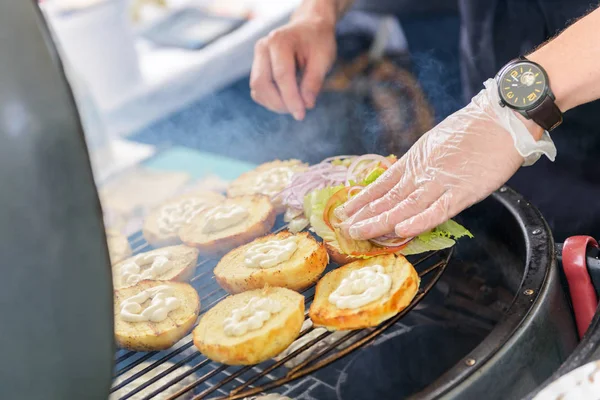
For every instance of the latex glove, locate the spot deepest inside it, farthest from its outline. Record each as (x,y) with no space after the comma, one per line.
(458,163)
(307,41)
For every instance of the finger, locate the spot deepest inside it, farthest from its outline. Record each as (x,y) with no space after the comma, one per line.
(263,89)
(440,211)
(385,223)
(284,74)
(389,200)
(313,77)
(374,191)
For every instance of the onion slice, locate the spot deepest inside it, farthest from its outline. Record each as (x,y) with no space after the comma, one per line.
(351,174)
(354,189)
(385,241)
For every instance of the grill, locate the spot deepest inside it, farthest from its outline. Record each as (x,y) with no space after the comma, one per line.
(504,285)
(227,382)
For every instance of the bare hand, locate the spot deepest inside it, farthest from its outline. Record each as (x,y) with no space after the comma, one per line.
(304,43)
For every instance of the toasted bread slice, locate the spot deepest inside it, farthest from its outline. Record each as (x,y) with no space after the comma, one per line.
(147,335)
(255,346)
(303,268)
(260,220)
(118,246)
(268,179)
(404,286)
(180,266)
(337,256)
(165,233)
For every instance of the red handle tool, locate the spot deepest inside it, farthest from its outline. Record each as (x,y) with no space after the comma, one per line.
(583,294)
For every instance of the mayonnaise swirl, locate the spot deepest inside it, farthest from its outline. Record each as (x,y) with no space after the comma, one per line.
(161,304)
(361,287)
(132,271)
(173,216)
(273,180)
(223,217)
(250,317)
(271,253)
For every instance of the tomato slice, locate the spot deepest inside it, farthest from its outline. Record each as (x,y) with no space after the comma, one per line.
(338,198)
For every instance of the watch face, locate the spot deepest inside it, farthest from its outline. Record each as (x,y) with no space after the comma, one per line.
(523,85)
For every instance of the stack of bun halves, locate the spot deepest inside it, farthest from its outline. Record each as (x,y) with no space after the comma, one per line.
(264,273)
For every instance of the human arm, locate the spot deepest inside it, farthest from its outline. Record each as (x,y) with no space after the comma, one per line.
(471,153)
(305,43)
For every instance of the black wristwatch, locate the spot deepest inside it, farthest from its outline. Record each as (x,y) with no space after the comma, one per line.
(524,86)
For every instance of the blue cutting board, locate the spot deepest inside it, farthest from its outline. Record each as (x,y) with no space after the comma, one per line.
(198,164)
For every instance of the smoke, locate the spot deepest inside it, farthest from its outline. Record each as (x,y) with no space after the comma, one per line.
(434,47)
(229,123)
(438,76)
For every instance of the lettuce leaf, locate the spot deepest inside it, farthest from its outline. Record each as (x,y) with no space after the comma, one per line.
(372,176)
(418,245)
(441,237)
(314,207)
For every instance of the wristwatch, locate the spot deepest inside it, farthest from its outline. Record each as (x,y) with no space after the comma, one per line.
(524,86)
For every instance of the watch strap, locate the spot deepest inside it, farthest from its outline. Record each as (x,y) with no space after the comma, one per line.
(546,114)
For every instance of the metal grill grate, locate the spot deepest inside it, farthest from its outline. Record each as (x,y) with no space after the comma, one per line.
(192,375)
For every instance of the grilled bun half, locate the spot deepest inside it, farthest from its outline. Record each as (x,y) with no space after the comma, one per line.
(303,268)
(267,179)
(147,335)
(337,256)
(404,286)
(118,246)
(161,226)
(260,218)
(257,345)
(180,266)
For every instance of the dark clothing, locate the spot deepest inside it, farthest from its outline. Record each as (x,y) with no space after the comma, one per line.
(492,33)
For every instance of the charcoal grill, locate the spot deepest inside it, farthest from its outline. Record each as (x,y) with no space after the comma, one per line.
(533,301)
(56,305)
(220,379)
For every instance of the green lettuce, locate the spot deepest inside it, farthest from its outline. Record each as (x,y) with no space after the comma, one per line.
(441,237)
(314,207)
(372,176)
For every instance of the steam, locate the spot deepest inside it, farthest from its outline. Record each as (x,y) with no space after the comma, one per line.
(229,123)
(440,81)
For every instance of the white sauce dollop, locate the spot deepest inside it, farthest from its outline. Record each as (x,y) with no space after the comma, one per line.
(273,180)
(250,317)
(173,216)
(132,272)
(161,304)
(361,287)
(223,217)
(271,253)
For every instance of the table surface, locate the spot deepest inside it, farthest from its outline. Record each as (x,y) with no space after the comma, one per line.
(173,78)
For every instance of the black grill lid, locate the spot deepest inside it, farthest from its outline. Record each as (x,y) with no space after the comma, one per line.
(55,288)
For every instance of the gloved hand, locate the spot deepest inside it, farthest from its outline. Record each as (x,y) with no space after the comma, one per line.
(307,41)
(458,163)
